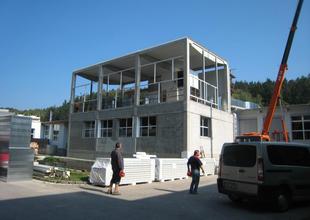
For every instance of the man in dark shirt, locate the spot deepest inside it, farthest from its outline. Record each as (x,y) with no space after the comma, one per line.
(193,166)
(117,163)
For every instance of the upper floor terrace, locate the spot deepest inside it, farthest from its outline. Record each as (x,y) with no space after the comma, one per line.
(181,70)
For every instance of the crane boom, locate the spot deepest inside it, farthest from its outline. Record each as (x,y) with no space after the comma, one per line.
(282,69)
(264,135)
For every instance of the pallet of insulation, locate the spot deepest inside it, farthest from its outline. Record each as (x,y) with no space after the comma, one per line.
(170,169)
(137,171)
(208,165)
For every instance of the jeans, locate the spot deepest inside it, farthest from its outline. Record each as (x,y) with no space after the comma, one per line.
(195,181)
(115,178)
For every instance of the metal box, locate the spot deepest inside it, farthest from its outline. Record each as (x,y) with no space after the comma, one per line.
(16,156)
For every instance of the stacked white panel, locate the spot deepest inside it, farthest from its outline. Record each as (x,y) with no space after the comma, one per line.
(170,169)
(208,165)
(137,171)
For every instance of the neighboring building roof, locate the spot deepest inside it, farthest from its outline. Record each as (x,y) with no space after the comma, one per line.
(286,107)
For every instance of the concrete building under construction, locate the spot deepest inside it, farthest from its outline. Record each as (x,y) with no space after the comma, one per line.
(167,100)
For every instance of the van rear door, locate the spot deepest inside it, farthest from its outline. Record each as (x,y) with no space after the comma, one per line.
(239,171)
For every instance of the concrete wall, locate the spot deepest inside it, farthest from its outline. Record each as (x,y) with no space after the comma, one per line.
(221,129)
(36,125)
(168,142)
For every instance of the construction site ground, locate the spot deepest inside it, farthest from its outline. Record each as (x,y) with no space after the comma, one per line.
(159,200)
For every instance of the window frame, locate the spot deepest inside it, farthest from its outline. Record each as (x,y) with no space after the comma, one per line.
(303,119)
(203,127)
(91,129)
(126,127)
(106,128)
(149,126)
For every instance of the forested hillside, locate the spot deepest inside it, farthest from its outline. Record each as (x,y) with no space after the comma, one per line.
(295,91)
(59,112)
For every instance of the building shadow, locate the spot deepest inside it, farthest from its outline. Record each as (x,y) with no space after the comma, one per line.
(89,204)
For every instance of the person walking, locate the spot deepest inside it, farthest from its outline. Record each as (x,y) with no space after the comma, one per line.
(194,165)
(117,163)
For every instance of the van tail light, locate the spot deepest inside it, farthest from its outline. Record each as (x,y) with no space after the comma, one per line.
(260,169)
(220,166)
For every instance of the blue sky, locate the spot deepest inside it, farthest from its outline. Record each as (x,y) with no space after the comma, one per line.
(42,42)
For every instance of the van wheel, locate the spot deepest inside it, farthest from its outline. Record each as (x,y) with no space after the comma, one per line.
(282,201)
(235,198)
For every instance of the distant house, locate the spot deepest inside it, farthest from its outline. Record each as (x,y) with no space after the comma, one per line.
(35,127)
(296,119)
(57,134)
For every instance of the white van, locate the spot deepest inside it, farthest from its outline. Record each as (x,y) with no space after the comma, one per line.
(268,171)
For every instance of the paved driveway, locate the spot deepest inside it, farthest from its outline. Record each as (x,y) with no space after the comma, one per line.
(169,200)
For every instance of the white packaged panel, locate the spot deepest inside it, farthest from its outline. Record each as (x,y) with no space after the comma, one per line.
(172,168)
(136,170)
(208,165)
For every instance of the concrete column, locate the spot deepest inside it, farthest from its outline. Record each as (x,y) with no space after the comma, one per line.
(228,88)
(217,84)
(204,75)
(187,72)
(73,84)
(135,118)
(260,120)
(137,80)
(186,118)
(72,97)
(51,127)
(99,92)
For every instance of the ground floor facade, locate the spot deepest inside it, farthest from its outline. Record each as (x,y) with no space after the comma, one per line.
(166,130)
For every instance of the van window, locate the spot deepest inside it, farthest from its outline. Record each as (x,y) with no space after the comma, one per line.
(239,155)
(288,155)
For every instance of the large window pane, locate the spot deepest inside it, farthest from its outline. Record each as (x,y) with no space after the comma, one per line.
(296,118)
(144,121)
(296,125)
(297,135)
(307,125)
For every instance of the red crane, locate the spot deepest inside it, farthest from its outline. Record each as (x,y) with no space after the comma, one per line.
(264,135)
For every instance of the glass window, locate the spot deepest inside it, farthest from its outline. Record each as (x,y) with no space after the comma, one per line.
(297,125)
(89,129)
(306,117)
(307,125)
(204,126)
(125,127)
(288,155)
(296,118)
(298,135)
(46,131)
(300,127)
(106,128)
(240,155)
(55,135)
(32,132)
(148,126)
